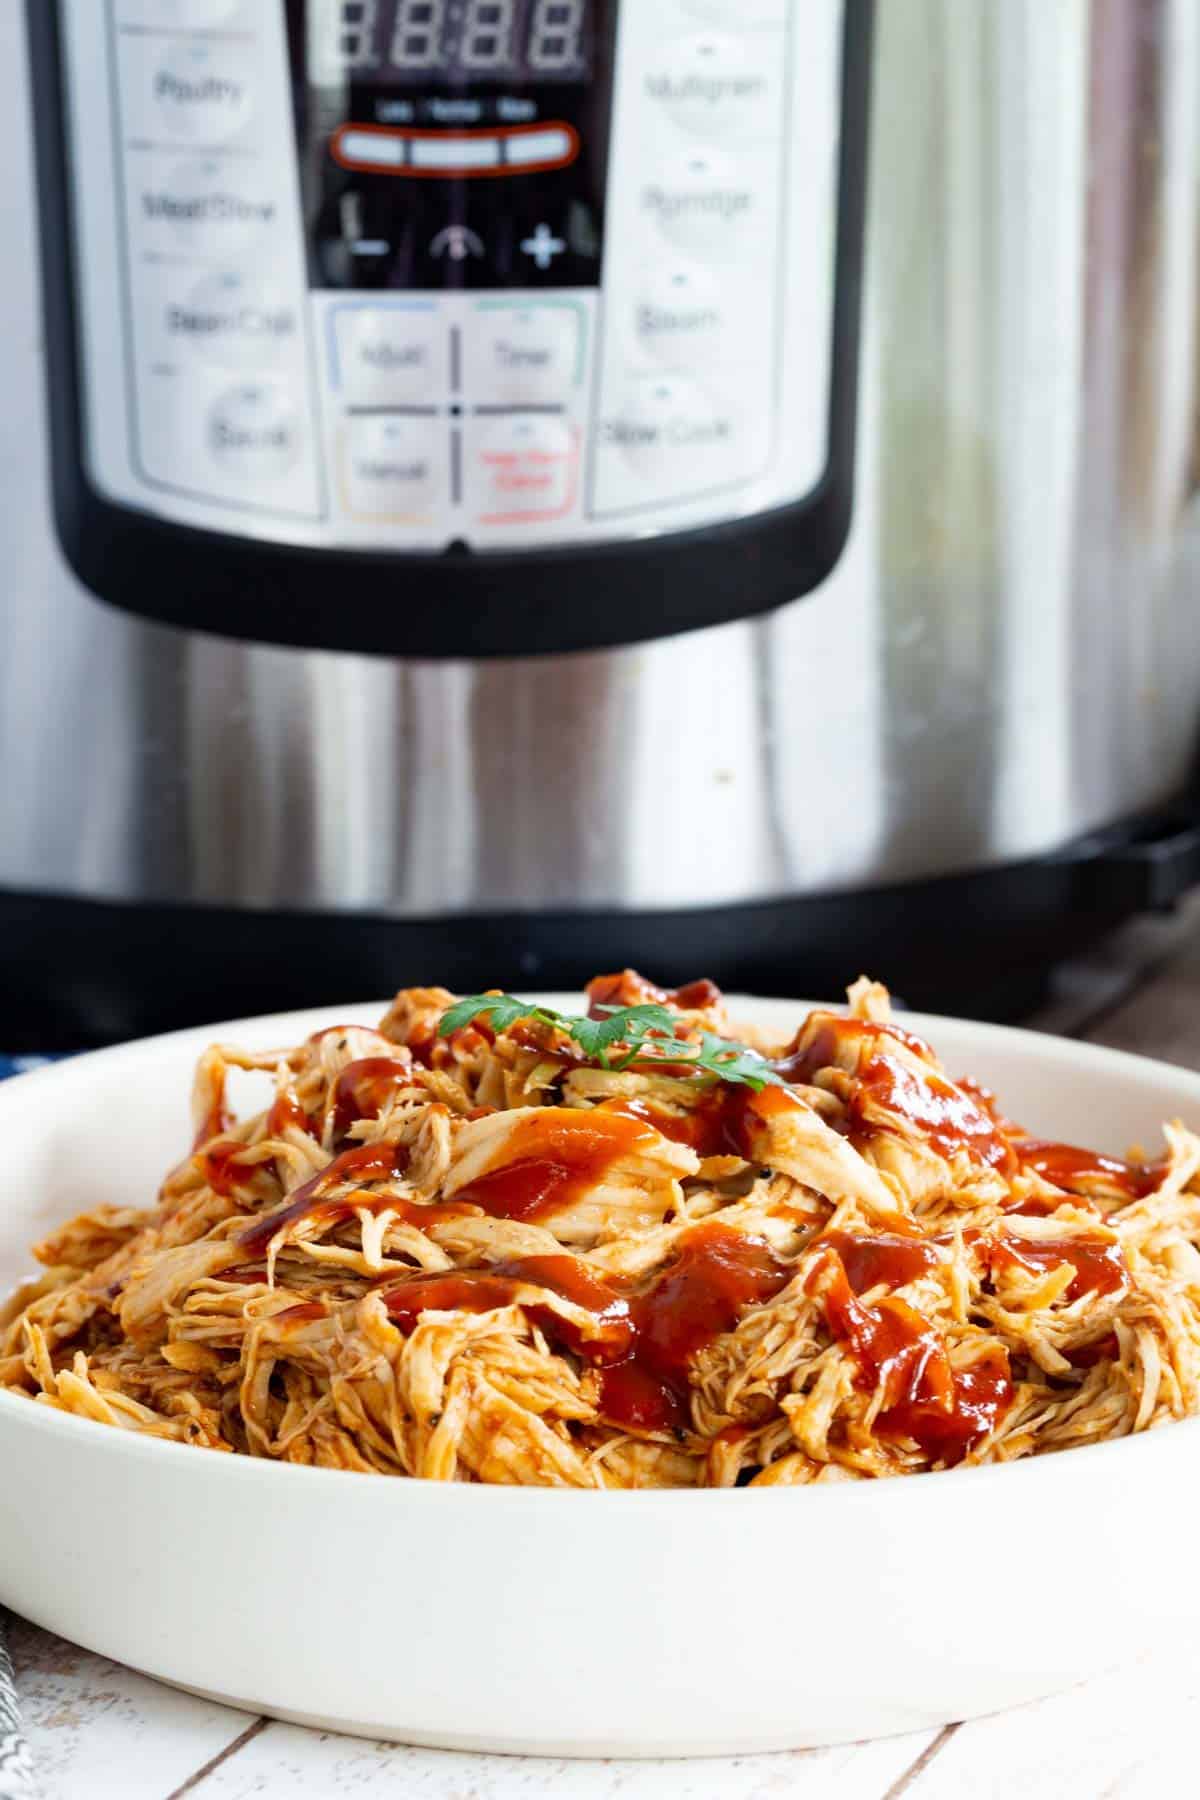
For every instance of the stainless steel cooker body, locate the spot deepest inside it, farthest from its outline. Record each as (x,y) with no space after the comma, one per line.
(1005,659)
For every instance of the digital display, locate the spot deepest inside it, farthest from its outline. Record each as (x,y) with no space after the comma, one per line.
(451,41)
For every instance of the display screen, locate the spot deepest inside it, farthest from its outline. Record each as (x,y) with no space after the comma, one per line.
(453,143)
(452,41)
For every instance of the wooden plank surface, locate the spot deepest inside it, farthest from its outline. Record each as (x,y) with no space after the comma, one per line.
(99,1730)
(1130,1733)
(286,1763)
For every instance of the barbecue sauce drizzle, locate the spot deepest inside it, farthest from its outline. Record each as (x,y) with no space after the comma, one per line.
(367,1162)
(724,1122)
(943,1410)
(646,1333)
(554,1156)
(1099,1265)
(1085,1171)
(949,1117)
(628,988)
(363,1089)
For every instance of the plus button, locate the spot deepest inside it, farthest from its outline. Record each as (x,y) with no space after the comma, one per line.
(543,246)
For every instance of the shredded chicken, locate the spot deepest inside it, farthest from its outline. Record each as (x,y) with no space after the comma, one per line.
(489,1256)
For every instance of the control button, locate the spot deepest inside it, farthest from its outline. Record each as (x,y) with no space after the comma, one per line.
(202,90)
(253,430)
(369,149)
(456,242)
(543,246)
(522,468)
(710,84)
(232,321)
(702,201)
(391,468)
(388,355)
(204,205)
(449,154)
(679,314)
(549,148)
(524,352)
(677,436)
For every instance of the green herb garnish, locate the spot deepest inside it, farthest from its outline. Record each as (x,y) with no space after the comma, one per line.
(623,1035)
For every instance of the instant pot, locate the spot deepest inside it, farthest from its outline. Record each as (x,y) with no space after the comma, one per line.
(495,489)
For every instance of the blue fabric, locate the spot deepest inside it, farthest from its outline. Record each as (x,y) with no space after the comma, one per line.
(17,1065)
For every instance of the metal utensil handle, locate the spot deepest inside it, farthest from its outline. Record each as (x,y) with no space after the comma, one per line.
(16,1765)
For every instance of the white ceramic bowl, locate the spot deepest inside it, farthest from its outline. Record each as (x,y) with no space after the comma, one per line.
(574,1623)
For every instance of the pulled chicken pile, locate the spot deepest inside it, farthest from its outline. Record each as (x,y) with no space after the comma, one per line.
(489,1242)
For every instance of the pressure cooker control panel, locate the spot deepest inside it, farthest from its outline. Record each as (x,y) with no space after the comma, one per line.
(404,274)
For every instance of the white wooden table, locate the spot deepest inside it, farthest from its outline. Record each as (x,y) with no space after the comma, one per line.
(98,1730)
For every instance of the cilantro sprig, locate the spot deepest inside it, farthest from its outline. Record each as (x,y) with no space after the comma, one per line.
(622,1036)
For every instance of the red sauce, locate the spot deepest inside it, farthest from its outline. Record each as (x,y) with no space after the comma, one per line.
(724,1122)
(242,1273)
(481,1290)
(943,1411)
(697,1297)
(823,1035)
(696,996)
(1088,1355)
(434,1052)
(363,1089)
(1084,1171)
(628,988)
(223,1171)
(1098,1263)
(701,1128)
(303,1313)
(554,1156)
(985,1098)
(645,1333)
(949,1118)
(884,1260)
(548,1041)
(286,1110)
(367,1162)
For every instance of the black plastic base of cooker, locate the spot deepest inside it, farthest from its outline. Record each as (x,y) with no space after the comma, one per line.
(76,972)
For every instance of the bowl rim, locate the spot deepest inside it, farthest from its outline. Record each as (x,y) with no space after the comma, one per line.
(116,1441)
